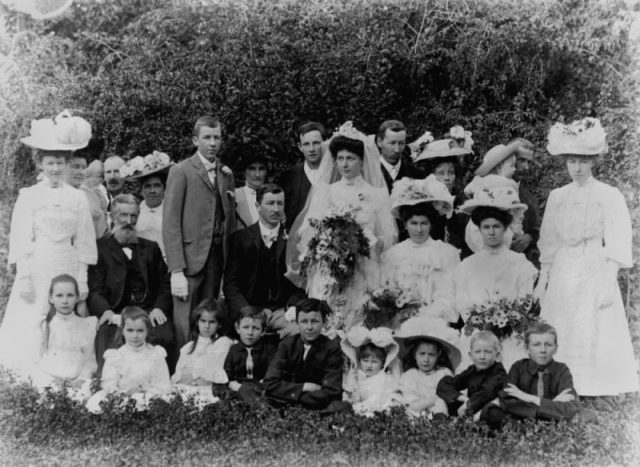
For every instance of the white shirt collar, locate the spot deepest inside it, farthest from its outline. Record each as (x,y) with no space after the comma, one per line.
(265,230)
(207,164)
(144,207)
(312,174)
(392,169)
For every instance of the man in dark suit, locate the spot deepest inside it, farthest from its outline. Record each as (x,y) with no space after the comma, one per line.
(392,141)
(307,368)
(298,180)
(130,272)
(199,214)
(255,271)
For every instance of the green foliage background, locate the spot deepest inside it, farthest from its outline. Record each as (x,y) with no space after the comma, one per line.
(142,71)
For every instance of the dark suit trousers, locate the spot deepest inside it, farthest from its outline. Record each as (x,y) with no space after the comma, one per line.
(161,335)
(205,284)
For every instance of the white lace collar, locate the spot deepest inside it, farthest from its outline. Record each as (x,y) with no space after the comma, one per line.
(355,181)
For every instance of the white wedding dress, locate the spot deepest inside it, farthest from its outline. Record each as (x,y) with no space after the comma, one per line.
(492,275)
(583,228)
(372,211)
(425,269)
(52,233)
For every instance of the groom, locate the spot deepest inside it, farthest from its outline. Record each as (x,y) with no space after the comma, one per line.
(255,271)
(392,141)
(199,214)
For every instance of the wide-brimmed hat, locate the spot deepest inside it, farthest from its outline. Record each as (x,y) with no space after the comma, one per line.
(380,337)
(409,192)
(501,152)
(493,191)
(247,159)
(433,329)
(584,137)
(442,148)
(62,133)
(157,163)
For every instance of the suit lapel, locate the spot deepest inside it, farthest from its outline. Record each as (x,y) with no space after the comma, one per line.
(201,171)
(115,251)
(387,177)
(141,255)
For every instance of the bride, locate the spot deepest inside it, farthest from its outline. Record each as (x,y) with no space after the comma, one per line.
(350,182)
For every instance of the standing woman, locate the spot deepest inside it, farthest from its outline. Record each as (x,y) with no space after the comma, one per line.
(256,168)
(584,239)
(51,234)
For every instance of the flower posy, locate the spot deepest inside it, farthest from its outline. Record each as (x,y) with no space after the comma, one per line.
(390,303)
(505,317)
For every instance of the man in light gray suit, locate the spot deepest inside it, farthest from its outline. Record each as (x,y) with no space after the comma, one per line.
(198,217)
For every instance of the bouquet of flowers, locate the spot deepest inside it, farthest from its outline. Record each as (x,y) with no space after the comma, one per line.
(390,305)
(504,317)
(336,242)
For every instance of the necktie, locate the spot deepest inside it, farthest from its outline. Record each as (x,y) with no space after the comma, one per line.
(306,351)
(540,387)
(269,239)
(249,364)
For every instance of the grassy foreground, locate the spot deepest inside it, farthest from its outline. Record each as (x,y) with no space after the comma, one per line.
(53,430)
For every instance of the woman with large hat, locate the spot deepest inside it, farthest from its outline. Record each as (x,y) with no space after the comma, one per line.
(51,234)
(494,272)
(151,172)
(421,264)
(584,239)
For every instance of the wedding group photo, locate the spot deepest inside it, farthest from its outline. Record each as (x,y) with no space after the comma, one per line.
(320,232)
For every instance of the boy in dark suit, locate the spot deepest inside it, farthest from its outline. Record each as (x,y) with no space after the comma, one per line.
(307,368)
(256,267)
(298,180)
(539,387)
(247,361)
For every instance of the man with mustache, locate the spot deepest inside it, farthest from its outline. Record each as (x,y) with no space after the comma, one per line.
(112,178)
(130,271)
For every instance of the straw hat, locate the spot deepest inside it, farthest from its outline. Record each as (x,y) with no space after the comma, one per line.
(380,337)
(63,133)
(432,329)
(442,148)
(157,163)
(584,137)
(501,196)
(409,192)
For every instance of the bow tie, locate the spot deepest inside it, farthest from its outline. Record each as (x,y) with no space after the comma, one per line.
(211,168)
(270,237)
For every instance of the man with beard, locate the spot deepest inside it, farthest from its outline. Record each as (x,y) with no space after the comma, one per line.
(130,271)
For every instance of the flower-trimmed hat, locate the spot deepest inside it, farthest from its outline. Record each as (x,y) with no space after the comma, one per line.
(157,163)
(584,137)
(493,191)
(461,137)
(432,329)
(442,148)
(409,192)
(380,337)
(62,133)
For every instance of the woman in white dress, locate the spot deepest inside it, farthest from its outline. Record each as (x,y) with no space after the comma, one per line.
(51,234)
(495,271)
(350,181)
(584,239)
(421,265)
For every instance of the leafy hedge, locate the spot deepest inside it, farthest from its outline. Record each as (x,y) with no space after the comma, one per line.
(57,430)
(141,71)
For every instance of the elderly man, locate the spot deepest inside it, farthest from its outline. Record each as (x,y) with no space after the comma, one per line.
(130,272)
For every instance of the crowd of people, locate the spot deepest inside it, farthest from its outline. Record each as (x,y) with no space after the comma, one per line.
(263,293)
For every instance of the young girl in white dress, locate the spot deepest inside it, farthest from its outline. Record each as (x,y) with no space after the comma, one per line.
(68,355)
(494,272)
(421,265)
(51,233)
(584,239)
(351,181)
(371,384)
(201,361)
(430,353)
(137,369)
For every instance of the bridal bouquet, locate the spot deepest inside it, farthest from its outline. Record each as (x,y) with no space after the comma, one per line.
(390,306)
(504,317)
(336,242)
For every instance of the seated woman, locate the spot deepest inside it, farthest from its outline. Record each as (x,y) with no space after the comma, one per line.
(421,264)
(351,182)
(494,272)
(444,159)
(255,168)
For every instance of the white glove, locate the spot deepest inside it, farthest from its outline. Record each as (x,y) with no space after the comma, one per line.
(290,314)
(179,285)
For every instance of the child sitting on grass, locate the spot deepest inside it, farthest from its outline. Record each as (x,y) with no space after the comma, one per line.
(539,387)
(247,361)
(482,380)
(202,359)
(67,353)
(136,369)
(370,386)
(307,368)
(430,355)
